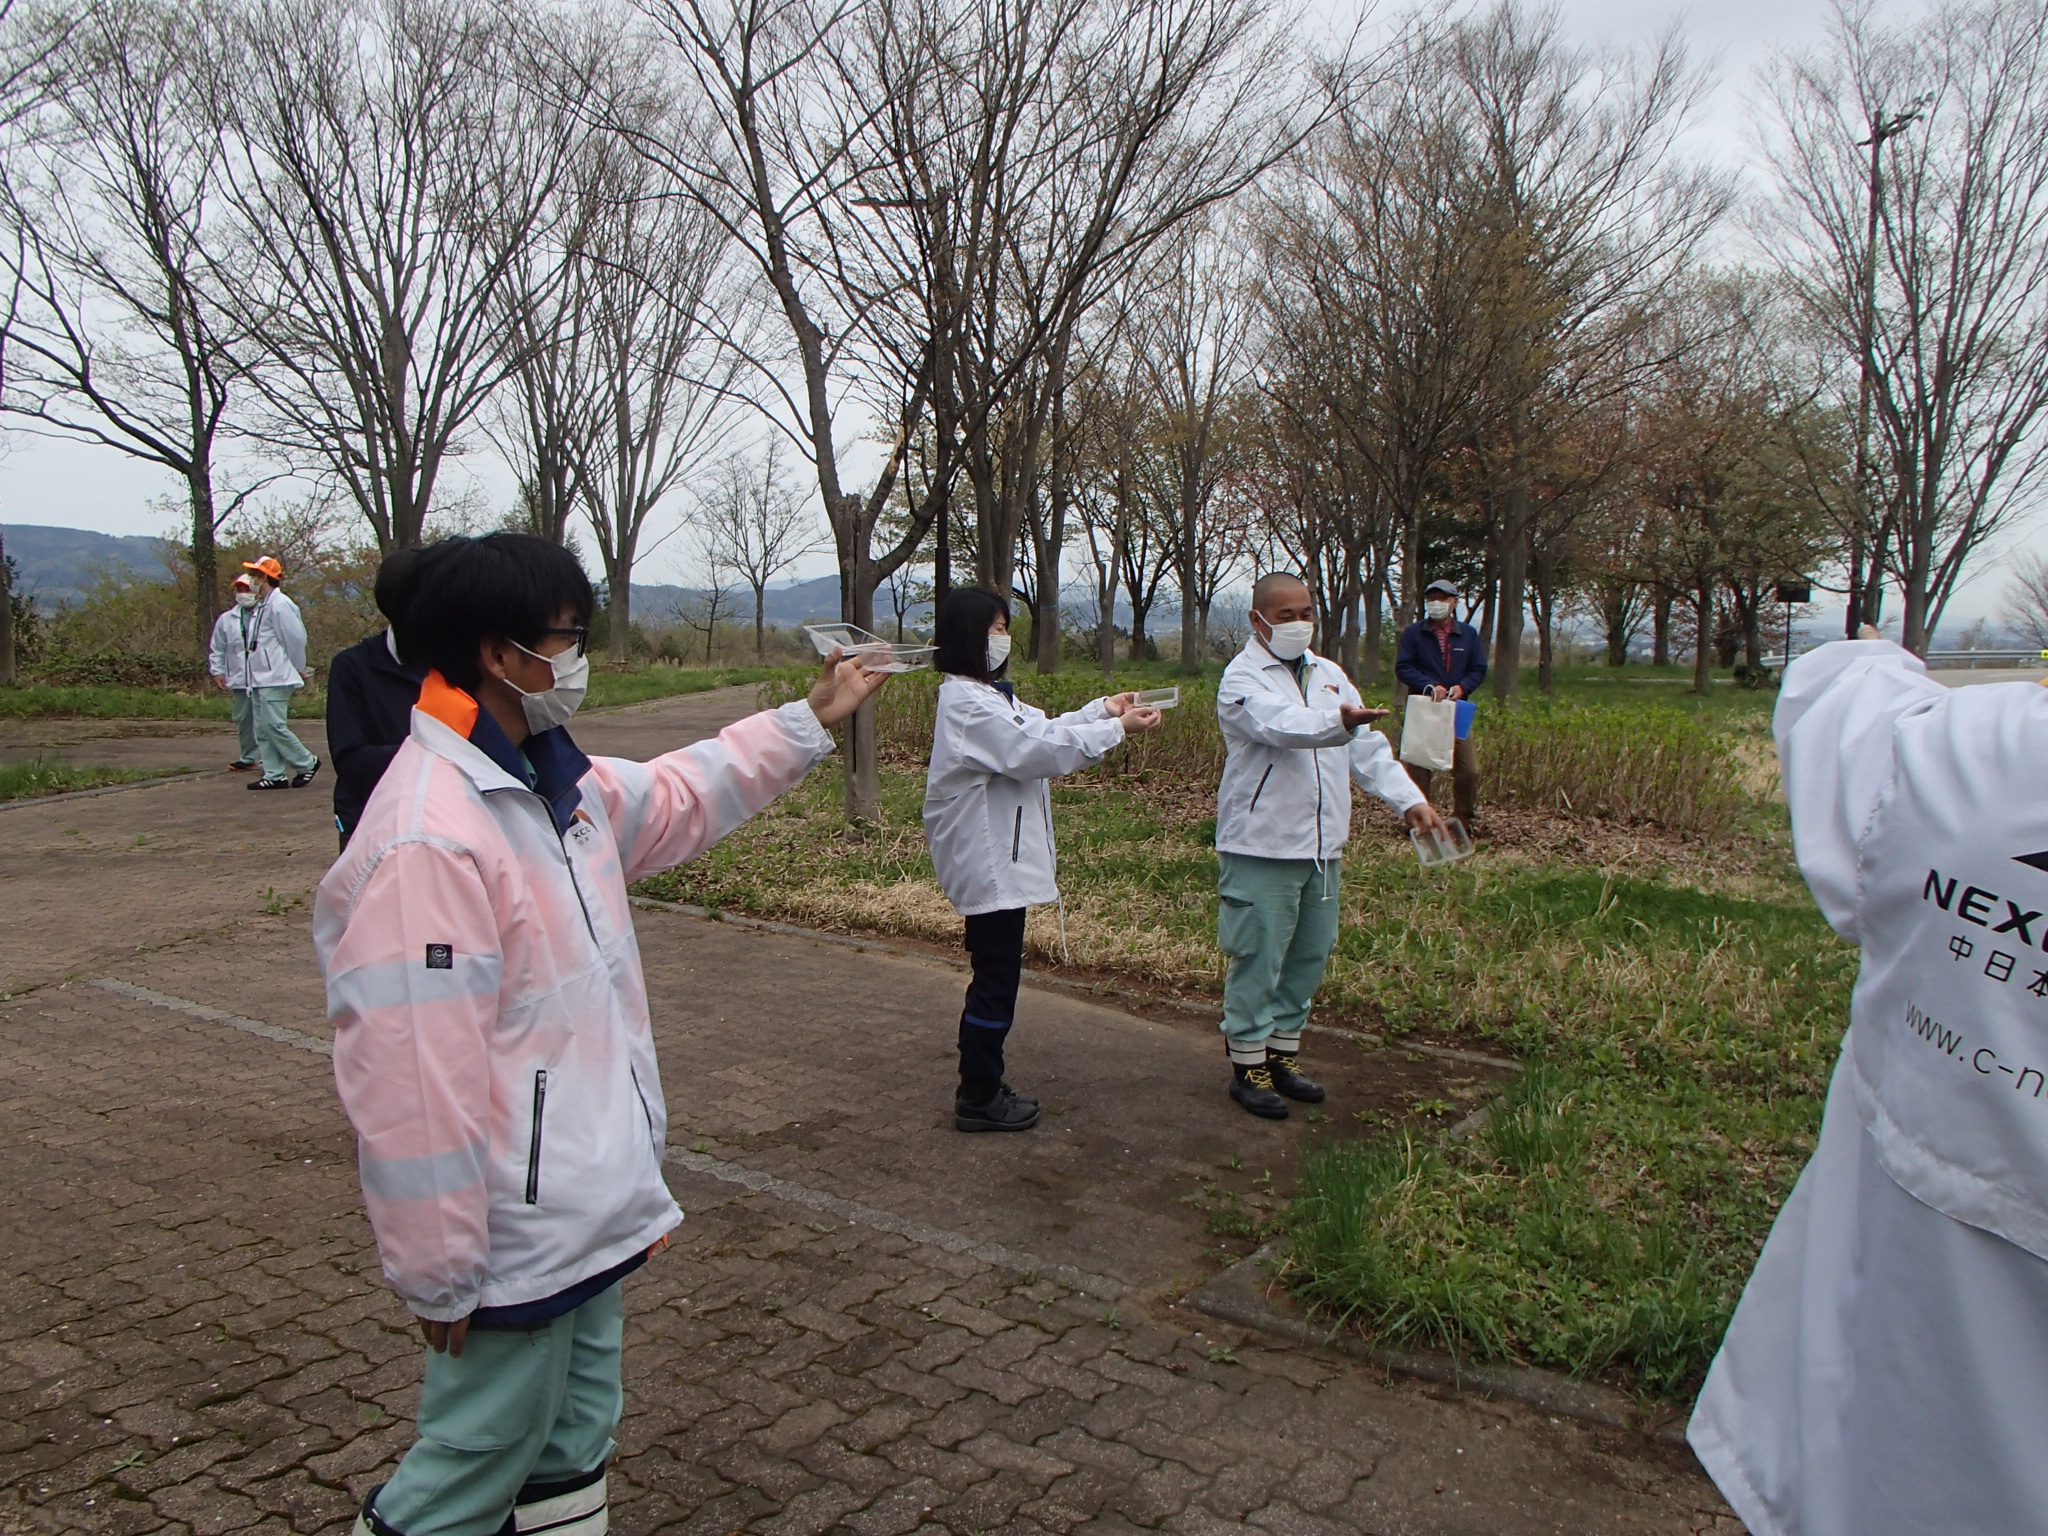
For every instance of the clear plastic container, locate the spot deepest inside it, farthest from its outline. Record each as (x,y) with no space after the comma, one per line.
(1160,698)
(1449,846)
(873,652)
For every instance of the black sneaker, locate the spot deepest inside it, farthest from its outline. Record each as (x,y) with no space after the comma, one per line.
(1007,1111)
(242,765)
(1287,1079)
(268,784)
(1253,1088)
(301,780)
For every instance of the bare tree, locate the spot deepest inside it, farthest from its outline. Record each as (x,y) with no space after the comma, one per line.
(1934,279)
(107,228)
(2026,606)
(392,166)
(756,525)
(1591,220)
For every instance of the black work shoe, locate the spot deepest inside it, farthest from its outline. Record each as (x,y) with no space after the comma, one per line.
(1253,1088)
(268,784)
(1005,1112)
(301,780)
(1287,1079)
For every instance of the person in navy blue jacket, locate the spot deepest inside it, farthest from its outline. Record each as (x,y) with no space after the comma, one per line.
(1441,657)
(370,695)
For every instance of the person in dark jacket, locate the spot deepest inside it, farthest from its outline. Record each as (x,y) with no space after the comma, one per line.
(1441,657)
(370,695)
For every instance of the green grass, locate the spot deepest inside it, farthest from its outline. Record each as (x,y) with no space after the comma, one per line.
(42,776)
(42,701)
(1677,996)
(636,685)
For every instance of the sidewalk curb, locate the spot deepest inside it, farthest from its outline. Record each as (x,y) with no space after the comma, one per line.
(1085,989)
(1239,1295)
(186,777)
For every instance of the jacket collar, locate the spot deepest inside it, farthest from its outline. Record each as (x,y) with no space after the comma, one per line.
(450,724)
(1256,652)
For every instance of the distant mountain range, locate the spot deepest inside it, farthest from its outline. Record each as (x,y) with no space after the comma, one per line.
(59,565)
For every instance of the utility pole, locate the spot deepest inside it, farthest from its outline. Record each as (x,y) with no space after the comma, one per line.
(1881,129)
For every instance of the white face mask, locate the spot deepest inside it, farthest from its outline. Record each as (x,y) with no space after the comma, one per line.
(1288,641)
(1437,610)
(245,599)
(998,652)
(553,706)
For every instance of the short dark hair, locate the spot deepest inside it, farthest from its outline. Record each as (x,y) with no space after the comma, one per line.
(507,586)
(394,590)
(960,633)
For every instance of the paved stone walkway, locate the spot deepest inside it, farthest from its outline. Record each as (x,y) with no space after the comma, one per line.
(868,1324)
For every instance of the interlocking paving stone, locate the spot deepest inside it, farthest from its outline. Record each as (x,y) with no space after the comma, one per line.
(194,1335)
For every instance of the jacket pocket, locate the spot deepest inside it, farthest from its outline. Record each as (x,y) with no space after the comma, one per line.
(540,1100)
(1260,790)
(1017,836)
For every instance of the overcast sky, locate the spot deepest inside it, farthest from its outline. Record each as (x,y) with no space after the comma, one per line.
(82,487)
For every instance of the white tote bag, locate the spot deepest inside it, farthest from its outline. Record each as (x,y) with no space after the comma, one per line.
(1429,732)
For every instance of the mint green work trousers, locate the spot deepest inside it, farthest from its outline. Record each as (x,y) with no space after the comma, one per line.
(521,1405)
(1277,921)
(283,753)
(243,708)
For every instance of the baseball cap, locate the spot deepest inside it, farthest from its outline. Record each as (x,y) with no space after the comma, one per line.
(267,565)
(245,583)
(1448,589)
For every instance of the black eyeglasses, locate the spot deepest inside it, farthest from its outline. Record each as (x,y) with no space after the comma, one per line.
(580,634)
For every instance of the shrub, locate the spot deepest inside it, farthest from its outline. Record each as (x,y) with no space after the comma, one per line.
(1632,763)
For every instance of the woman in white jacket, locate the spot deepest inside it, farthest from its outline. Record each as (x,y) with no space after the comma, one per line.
(988,819)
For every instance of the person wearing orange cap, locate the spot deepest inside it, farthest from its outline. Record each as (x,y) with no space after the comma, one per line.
(275,664)
(227,663)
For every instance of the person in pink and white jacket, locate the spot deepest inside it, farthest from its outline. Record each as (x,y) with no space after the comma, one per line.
(491,1036)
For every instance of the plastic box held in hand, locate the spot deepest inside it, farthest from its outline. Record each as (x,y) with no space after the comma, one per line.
(872,652)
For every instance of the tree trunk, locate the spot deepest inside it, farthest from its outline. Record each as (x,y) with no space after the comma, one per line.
(205,561)
(1703,641)
(1660,629)
(1490,576)
(760,625)
(1369,662)
(618,575)
(1190,653)
(6,620)
(942,557)
(862,775)
(1507,631)
(1614,617)
(1347,650)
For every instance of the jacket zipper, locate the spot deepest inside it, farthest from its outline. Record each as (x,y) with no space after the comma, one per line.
(1261,789)
(1017,836)
(540,1099)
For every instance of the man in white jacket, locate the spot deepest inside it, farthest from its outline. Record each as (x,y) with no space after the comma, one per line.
(227,662)
(1294,735)
(275,656)
(1887,1370)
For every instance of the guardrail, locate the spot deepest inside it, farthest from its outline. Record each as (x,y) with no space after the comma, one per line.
(1942,660)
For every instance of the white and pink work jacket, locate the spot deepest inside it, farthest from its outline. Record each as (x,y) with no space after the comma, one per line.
(491,1037)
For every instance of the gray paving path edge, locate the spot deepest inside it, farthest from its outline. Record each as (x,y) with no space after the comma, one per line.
(1241,1295)
(105,789)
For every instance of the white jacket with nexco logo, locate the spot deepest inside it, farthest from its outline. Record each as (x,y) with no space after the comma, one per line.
(1886,1373)
(1920,818)
(1289,761)
(987,811)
